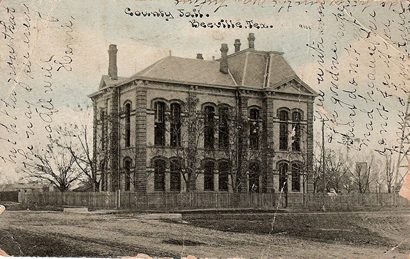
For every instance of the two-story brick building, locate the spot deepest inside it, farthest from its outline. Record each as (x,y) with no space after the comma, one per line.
(251,110)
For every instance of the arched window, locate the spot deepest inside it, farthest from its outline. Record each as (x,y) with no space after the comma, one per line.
(254,174)
(127,109)
(296,118)
(296,177)
(283,130)
(159,175)
(223,175)
(223,127)
(175,177)
(159,124)
(283,176)
(254,128)
(175,125)
(209,175)
(127,173)
(209,127)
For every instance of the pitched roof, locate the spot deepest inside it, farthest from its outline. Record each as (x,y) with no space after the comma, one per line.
(186,70)
(259,69)
(247,68)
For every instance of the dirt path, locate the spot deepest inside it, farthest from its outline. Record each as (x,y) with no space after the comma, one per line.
(115,235)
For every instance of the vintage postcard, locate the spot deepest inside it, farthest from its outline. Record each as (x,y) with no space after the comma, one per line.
(205,128)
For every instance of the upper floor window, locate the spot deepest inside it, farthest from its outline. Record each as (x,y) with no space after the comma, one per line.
(209,127)
(127,109)
(209,175)
(103,126)
(254,128)
(175,134)
(296,131)
(159,131)
(223,127)
(283,129)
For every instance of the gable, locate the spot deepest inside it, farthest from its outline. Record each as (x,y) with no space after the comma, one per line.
(107,81)
(294,86)
(102,83)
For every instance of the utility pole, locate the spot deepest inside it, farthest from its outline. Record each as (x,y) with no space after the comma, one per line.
(323,155)
(402,137)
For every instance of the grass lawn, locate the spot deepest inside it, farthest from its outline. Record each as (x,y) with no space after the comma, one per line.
(286,235)
(344,228)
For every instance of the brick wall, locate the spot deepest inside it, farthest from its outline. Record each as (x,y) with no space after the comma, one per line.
(268,138)
(141,139)
(114,139)
(309,146)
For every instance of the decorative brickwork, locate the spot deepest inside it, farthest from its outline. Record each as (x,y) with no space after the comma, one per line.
(114,140)
(309,145)
(141,139)
(242,142)
(268,138)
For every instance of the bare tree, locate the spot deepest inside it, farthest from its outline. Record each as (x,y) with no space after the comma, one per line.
(53,164)
(240,152)
(189,151)
(317,172)
(363,174)
(188,147)
(186,143)
(389,172)
(337,172)
(77,140)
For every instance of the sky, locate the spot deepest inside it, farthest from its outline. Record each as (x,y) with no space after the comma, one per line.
(72,37)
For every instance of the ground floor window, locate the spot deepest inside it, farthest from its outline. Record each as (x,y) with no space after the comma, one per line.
(127,174)
(254,177)
(209,176)
(159,175)
(175,177)
(223,176)
(296,177)
(283,176)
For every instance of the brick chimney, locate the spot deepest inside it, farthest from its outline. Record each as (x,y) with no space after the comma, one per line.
(112,62)
(224,58)
(251,40)
(199,56)
(237,45)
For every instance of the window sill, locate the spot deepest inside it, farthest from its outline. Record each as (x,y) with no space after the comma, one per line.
(129,147)
(159,146)
(290,151)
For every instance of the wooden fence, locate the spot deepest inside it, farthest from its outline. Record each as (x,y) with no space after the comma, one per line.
(92,200)
(212,200)
(355,201)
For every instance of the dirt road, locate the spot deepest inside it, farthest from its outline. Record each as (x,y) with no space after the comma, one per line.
(27,233)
